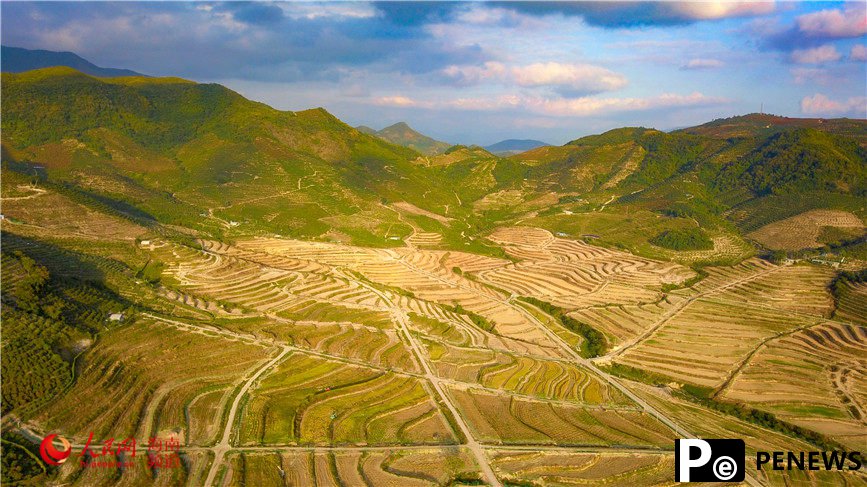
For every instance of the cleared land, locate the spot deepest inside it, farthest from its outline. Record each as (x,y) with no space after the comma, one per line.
(804,231)
(344,365)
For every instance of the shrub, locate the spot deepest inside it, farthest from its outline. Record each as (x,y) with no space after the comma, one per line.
(683,239)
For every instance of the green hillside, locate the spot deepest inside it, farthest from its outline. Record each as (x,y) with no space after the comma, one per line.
(404,135)
(166,151)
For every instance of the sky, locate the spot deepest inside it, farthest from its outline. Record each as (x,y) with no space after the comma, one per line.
(480,72)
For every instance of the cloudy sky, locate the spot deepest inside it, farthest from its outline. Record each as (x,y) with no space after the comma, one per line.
(480,72)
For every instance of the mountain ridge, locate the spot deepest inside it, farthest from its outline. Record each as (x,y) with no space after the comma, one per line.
(402,134)
(18,59)
(176,150)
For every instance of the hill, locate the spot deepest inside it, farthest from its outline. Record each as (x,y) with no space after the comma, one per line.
(404,135)
(761,124)
(17,60)
(510,147)
(166,151)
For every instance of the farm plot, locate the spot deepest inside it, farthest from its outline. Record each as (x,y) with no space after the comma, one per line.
(318,311)
(137,380)
(307,400)
(623,322)
(505,419)
(799,288)
(816,378)
(139,473)
(383,348)
(462,323)
(549,379)
(704,342)
(572,274)
(61,215)
(803,231)
(422,468)
(705,423)
(726,275)
(557,468)
(421,274)
(852,303)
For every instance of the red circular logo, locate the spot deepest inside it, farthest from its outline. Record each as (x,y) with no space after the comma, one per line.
(51,455)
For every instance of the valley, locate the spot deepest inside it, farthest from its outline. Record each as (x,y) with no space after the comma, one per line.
(302,303)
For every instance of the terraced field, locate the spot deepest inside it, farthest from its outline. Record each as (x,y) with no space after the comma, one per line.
(278,361)
(803,230)
(820,372)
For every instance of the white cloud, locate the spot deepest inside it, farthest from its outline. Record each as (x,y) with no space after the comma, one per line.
(850,22)
(810,75)
(858,52)
(701,63)
(592,106)
(820,104)
(311,11)
(559,107)
(575,77)
(399,101)
(722,9)
(568,79)
(491,70)
(817,55)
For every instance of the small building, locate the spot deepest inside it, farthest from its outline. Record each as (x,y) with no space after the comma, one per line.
(115,317)
(145,242)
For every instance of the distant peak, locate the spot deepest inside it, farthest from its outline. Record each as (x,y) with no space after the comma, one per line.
(399,126)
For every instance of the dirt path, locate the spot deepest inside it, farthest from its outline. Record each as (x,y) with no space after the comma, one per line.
(740,367)
(471,443)
(681,432)
(676,310)
(224,445)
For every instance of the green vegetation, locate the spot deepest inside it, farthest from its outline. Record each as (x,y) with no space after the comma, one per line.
(478,320)
(402,134)
(46,321)
(594,343)
(704,397)
(683,239)
(20,461)
(800,160)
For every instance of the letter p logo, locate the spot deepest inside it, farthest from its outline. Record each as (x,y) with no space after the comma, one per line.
(686,458)
(709,460)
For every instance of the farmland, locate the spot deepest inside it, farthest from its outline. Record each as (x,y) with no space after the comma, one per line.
(296,302)
(288,347)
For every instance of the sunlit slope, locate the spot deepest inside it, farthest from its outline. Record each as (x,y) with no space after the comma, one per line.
(165,144)
(205,158)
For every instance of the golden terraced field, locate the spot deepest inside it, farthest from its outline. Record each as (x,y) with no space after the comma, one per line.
(286,362)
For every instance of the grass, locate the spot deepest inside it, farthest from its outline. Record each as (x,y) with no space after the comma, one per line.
(594,342)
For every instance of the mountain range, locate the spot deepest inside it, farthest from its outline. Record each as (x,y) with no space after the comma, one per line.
(17,60)
(510,147)
(170,151)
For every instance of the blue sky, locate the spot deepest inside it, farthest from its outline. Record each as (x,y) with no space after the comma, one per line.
(481,72)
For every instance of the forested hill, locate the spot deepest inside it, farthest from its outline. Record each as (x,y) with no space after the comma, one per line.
(202,156)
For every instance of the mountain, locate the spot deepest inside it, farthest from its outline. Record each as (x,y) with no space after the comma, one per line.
(17,60)
(402,134)
(758,124)
(168,153)
(514,146)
